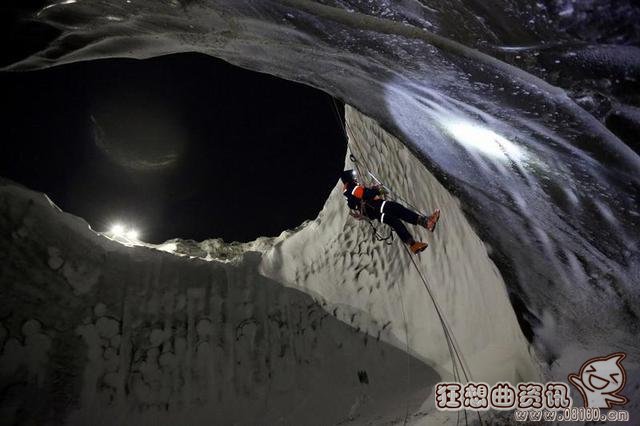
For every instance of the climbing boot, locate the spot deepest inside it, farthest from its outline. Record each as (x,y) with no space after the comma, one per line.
(430,222)
(418,246)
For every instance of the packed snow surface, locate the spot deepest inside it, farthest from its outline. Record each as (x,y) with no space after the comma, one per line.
(189,332)
(97,332)
(504,102)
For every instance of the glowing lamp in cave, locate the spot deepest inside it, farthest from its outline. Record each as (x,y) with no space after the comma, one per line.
(117,229)
(132,234)
(121,232)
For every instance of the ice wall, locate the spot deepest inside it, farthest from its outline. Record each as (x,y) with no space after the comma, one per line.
(336,259)
(93,332)
(505,102)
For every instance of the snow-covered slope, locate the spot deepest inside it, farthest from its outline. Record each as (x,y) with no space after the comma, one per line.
(97,333)
(504,101)
(336,259)
(104,333)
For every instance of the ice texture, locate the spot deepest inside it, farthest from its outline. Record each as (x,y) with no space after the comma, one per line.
(159,338)
(174,333)
(504,102)
(477,93)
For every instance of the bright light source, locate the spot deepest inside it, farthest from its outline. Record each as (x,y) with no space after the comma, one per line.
(117,229)
(132,234)
(486,141)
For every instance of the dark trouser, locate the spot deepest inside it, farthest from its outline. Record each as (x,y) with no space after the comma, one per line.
(392,213)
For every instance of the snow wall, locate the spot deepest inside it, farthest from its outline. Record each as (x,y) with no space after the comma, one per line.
(345,266)
(510,104)
(311,327)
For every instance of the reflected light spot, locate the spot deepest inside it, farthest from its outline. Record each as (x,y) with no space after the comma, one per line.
(483,140)
(56,4)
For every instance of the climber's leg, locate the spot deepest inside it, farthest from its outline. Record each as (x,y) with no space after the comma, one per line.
(399,211)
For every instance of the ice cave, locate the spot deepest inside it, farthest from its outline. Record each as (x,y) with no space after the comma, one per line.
(518,119)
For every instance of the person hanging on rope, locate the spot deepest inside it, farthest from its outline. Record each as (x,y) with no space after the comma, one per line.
(369,203)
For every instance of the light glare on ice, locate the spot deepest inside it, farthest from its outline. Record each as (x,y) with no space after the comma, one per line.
(56,4)
(485,141)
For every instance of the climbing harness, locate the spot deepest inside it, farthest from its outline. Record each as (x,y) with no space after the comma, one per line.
(459,369)
(376,236)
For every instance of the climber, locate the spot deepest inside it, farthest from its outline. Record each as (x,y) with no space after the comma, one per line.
(370,203)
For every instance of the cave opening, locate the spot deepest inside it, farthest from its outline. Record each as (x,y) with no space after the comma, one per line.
(179,146)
